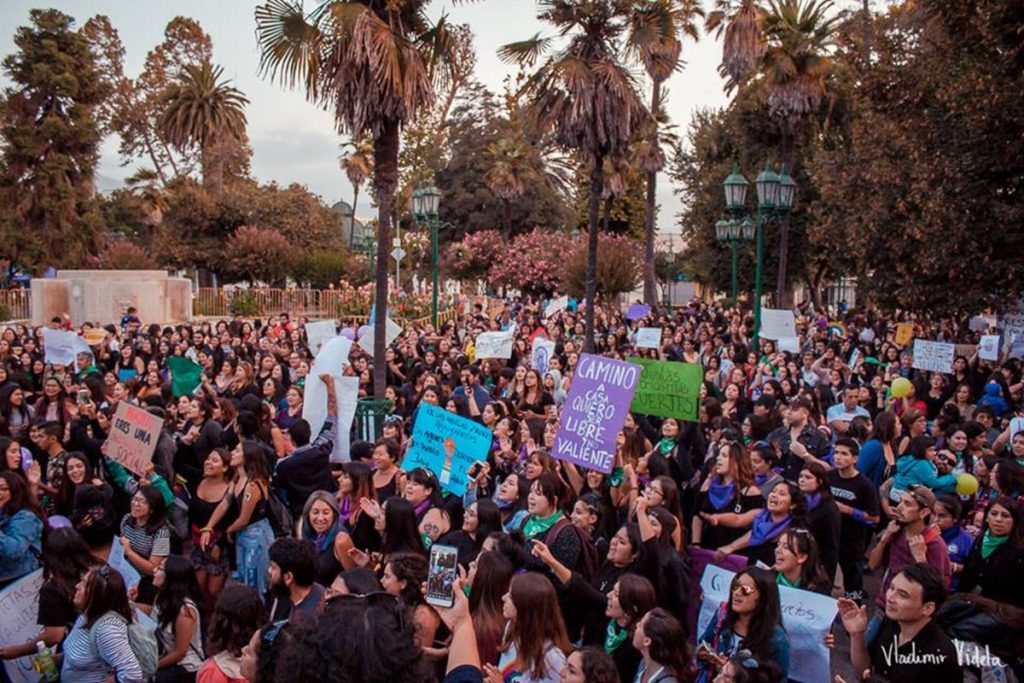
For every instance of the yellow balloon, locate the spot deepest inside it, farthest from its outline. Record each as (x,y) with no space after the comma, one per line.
(901,387)
(966,484)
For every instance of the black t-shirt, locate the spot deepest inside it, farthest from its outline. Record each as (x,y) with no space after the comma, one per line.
(858,492)
(928,658)
(55,608)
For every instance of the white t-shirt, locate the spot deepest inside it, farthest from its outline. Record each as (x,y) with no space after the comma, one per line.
(554,662)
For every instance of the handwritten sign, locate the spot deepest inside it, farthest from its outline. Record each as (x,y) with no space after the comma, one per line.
(988,349)
(904,334)
(777,323)
(668,389)
(788,344)
(392,328)
(447,445)
(935,356)
(806,616)
(494,345)
(133,437)
(319,333)
(19,603)
(700,558)
(118,561)
(59,346)
(556,306)
(648,338)
(543,349)
(595,410)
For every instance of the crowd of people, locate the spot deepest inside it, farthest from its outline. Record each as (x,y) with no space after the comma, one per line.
(245,553)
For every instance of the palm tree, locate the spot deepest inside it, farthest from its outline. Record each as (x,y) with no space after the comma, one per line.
(584,94)
(740,23)
(203,110)
(358,166)
(657,30)
(510,172)
(144,185)
(375,64)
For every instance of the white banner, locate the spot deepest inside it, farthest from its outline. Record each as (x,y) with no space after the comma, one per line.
(118,561)
(494,344)
(789,344)
(556,305)
(59,346)
(314,404)
(19,603)
(648,338)
(777,324)
(935,356)
(543,349)
(806,616)
(393,330)
(988,349)
(319,333)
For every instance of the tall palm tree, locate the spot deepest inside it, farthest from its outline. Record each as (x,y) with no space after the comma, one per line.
(374,64)
(144,185)
(511,170)
(740,24)
(358,166)
(657,31)
(205,111)
(584,94)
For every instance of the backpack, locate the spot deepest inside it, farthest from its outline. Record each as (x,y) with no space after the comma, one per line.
(588,561)
(142,638)
(280,517)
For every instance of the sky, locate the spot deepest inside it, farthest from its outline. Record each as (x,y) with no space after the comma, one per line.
(293,140)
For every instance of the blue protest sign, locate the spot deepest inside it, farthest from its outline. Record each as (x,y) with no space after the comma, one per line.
(447,445)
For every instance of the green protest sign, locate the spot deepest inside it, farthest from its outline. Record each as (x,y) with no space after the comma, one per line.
(667,389)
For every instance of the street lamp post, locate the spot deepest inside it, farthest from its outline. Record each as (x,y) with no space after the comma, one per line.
(425,201)
(775,192)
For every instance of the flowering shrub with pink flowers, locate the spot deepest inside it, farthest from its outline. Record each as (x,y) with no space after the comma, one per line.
(534,262)
(471,258)
(619,265)
(358,301)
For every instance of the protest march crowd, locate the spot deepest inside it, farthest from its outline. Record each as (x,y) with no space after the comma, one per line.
(687,503)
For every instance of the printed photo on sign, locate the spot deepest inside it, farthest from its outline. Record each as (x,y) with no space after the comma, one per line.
(447,445)
(543,349)
(988,348)
(595,411)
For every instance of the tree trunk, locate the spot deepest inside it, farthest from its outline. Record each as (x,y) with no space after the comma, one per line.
(506,215)
(650,209)
(593,224)
(352,221)
(385,181)
(212,160)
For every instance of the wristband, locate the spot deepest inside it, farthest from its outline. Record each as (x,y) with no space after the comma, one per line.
(857,515)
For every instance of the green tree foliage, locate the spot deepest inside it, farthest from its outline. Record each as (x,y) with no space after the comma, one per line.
(323,268)
(50,145)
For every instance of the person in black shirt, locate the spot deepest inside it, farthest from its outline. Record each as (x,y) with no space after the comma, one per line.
(910,647)
(798,441)
(857,500)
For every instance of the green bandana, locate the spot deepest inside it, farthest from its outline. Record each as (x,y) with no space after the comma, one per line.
(781,580)
(614,637)
(989,543)
(538,525)
(666,445)
(617,476)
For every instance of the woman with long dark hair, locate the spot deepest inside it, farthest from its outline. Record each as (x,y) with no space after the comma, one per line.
(536,643)
(424,493)
(797,564)
(481,519)
(239,613)
(22,529)
(98,644)
(489,577)
(823,518)
(395,520)
(179,631)
(356,530)
(15,413)
(660,639)
(632,597)
(210,562)
(877,457)
(785,505)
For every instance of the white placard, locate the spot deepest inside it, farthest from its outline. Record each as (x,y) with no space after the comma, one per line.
(648,338)
(789,344)
(543,349)
(806,616)
(988,349)
(118,561)
(935,356)
(59,346)
(319,333)
(494,344)
(19,603)
(314,400)
(777,323)
(556,305)
(982,323)
(1016,346)
(393,330)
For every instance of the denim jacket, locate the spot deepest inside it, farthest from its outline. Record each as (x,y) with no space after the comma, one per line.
(21,541)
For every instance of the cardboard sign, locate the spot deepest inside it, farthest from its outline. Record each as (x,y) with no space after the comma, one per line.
(133,437)
(648,338)
(789,344)
(556,306)
(595,410)
(59,346)
(494,344)
(447,445)
(19,603)
(806,616)
(777,324)
(668,389)
(333,356)
(393,329)
(935,356)
(988,349)
(543,349)
(904,334)
(319,333)
(118,561)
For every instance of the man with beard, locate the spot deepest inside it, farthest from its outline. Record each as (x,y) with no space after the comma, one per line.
(294,594)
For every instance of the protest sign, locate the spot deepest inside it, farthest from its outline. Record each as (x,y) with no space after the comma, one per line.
(330,361)
(494,344)
(319,333)
(700,558)
(637,311)
(133,436)
(648,338)
(595,410)
(667,389)
(556,305)
(982,323)
(904,334)
(1016,346)
(988,349)
(543,349)
(19,603)
(806,616)
(118,561)
(59,346)
(1011,324)
(965,350)
(186,375)
(447,445)
(789,344)
(393,330)
(936,356)
(776,323)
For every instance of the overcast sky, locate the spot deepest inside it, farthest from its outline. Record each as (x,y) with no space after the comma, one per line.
(292,140)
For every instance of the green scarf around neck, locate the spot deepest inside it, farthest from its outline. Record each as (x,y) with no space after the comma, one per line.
(990,543)
(614,636)
(538,525)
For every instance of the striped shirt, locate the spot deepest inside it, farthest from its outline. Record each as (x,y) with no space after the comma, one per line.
(91,658)
(145,543)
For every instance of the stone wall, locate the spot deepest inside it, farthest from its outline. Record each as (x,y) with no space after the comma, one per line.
(104,296)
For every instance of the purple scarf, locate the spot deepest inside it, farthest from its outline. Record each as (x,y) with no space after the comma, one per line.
(421,509)
(344,511)
(813,500)
(721,495)
(765,529)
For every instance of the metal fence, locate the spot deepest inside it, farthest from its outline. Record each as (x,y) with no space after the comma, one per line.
(15,304)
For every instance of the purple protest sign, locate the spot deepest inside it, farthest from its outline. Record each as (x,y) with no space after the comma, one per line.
(637,311)
(595,410)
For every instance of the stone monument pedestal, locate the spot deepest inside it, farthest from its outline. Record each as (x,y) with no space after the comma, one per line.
(103,296)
